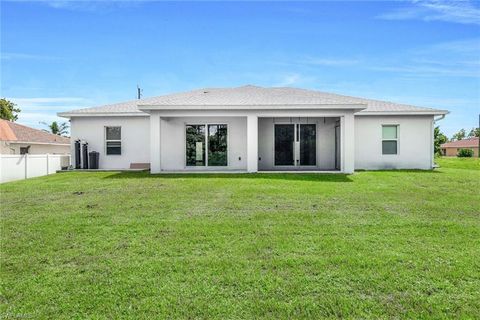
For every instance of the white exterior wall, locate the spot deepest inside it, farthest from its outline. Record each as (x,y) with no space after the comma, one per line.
(173,144)
(415,144)
(360,143)
(14,148)
(325,141)
(135,139)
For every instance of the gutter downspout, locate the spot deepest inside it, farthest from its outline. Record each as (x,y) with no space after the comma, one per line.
(433,137)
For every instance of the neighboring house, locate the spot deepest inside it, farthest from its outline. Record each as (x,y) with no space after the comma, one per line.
(450,149)
(254,129)
(18,139)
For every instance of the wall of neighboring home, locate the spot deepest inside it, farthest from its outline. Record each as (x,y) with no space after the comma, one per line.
(135,139)
(415,143)
(325,138)
(452,151)
(14,148)
(173,143)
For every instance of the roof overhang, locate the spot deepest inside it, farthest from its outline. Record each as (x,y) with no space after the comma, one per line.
(36,142)
(101,114)
(354,107)
(403,113)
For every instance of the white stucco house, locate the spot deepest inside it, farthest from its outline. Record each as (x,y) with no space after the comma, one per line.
(251,128)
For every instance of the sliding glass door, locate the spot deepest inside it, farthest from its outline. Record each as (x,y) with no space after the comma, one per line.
(308,144)
(214,141)
(195,145)
(217,145)
(284,144)
(295,144)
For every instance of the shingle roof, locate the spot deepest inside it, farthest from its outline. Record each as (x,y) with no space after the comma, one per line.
(252,96)
(465,143)
(11,131)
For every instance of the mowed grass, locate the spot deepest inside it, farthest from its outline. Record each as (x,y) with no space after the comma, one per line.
(386,244)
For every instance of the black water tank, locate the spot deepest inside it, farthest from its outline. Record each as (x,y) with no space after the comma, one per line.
(77,155)
(85,155)
(93,158)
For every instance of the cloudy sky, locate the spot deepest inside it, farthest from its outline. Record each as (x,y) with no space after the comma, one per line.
(62,55)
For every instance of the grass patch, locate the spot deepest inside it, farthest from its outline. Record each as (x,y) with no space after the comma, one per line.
(389,244)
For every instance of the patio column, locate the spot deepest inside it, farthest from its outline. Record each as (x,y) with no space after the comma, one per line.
(154,143)
(252,143)
(347,123)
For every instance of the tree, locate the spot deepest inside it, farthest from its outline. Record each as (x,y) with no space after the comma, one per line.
(55,128)
(475,132)
(460,135)
(8,110)
(439,139)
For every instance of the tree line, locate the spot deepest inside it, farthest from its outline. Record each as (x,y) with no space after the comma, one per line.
(9,111)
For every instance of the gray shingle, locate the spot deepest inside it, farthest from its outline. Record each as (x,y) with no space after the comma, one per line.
(251,96)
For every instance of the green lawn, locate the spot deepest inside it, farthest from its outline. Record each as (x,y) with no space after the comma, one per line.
(387,244)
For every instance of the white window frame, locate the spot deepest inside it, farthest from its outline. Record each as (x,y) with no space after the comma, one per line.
(397,140)
(206,143)
(107,140)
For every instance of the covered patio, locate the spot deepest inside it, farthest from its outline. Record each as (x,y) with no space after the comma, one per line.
(299,140)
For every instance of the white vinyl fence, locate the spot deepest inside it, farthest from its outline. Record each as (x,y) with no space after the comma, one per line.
(17,167)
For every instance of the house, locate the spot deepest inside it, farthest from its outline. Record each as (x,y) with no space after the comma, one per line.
(450,149)
(251,128)
(19,139)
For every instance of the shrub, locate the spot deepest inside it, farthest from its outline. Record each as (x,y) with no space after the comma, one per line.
(465,153)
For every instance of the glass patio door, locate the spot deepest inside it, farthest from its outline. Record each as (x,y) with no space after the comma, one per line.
(308,144)
(295,145)
(206,145)
(284,144)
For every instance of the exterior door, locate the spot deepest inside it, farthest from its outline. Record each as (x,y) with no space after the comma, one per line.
(295,145)
(308,144)
(284,144)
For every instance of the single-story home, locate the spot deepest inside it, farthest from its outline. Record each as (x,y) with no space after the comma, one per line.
(251,128)
(19,139)
(450,149)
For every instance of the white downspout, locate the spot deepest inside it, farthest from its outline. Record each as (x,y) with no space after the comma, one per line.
(433,138)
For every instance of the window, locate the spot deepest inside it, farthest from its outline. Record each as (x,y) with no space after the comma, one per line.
(113,140)
(206,148)
(390,139)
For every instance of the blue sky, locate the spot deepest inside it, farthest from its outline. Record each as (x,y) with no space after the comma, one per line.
(62,55)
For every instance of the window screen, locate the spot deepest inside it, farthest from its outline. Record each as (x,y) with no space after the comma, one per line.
(113,140)
(390,139)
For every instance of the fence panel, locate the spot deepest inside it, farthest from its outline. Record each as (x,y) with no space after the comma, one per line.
(16,167)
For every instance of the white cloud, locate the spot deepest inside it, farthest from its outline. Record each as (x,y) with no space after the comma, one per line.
(465,12)
(453,59)
(24,56)
(328,62)
(44,109)
(289,80)
(86,5)
(34,119)
(293,79)
(31,101)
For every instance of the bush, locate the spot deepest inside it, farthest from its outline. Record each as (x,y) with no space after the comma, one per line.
(465,153)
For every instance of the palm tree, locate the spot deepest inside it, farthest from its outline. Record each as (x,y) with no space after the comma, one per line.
(55,128)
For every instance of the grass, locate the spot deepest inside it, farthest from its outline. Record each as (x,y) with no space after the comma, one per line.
(387,244)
